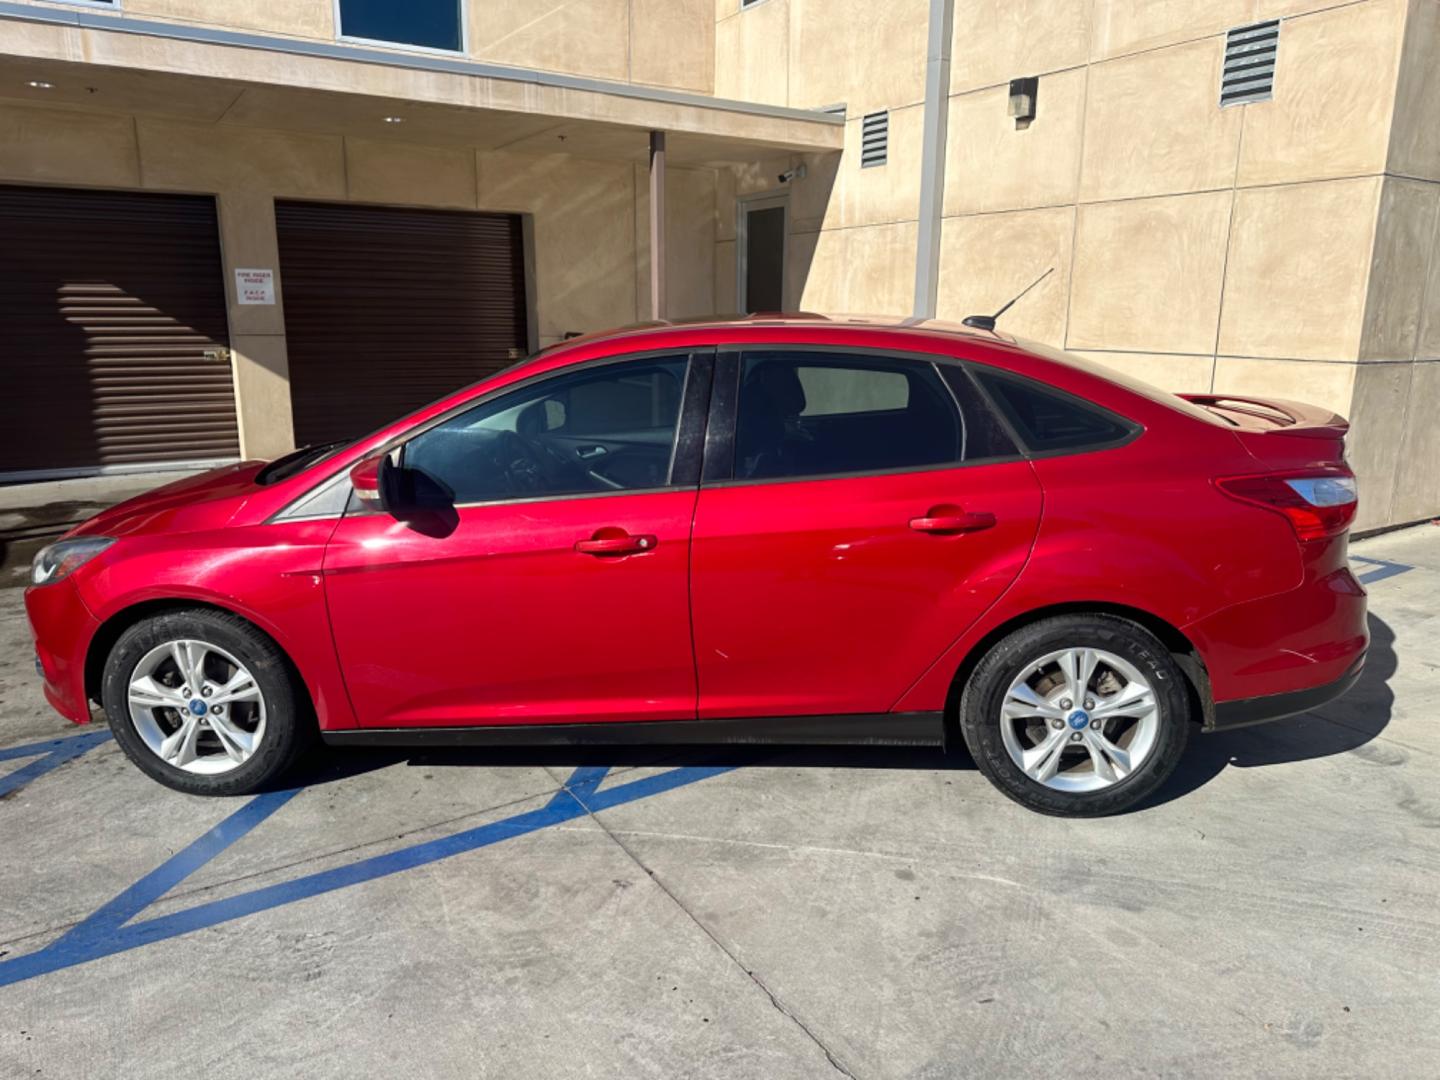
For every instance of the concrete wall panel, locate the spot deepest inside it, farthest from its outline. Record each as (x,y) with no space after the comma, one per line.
(986,259)
(1334,89)
(1415,135)
(865,270)
(1168,371)
(752,54)
(1417,480)
(1378,406)
(1153,127)
(94,149)
(584,234)
(672,43)
(857,51)
(1298,270)
(406,174)
(1404,242)
(1148,273)
(1126,26)
(999,40)
(293,18)
(582,37)
(992,165)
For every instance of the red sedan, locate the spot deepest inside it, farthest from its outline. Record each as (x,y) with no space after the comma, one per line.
(775,529)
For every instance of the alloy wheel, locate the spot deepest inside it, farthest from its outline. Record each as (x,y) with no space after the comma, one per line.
(196,707)
(1079,719)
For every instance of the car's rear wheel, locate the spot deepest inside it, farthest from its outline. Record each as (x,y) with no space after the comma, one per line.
(204,703)
(1077,715)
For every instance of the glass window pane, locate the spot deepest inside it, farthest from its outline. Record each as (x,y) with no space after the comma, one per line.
(604,429)
(1048,421)
(825,414)
(434,24)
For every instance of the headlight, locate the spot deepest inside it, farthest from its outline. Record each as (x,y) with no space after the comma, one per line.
(64,556)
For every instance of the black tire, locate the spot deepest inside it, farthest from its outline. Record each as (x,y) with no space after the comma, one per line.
(984,694)
(289,724)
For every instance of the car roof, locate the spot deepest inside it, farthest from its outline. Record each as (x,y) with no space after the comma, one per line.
(791,322)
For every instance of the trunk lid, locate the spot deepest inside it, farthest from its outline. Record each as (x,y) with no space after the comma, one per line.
(1277,432)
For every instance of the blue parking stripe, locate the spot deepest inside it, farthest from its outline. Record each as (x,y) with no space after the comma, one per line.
(106,932)
(1383,569)
(49,755)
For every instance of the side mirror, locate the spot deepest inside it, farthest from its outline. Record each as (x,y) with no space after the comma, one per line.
(368,479)
(402,493)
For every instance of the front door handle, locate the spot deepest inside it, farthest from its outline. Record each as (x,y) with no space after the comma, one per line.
(614,542)
(951,519)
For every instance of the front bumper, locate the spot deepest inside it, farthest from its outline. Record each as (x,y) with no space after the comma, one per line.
(1257,710)
(62,626)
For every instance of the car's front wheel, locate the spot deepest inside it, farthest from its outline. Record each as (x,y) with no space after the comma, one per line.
(204,703)
(1077,715)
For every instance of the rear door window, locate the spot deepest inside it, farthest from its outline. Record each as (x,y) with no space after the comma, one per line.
(816,413)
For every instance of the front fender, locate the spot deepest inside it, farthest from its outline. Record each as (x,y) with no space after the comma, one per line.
(268,574)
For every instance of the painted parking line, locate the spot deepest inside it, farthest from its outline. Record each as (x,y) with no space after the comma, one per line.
(1382,569)
(109,930)
(48,755)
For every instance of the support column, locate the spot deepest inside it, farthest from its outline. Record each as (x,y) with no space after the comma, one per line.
(657,224)
(932,162)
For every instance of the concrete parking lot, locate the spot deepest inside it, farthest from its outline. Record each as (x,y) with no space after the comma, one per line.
(863,913)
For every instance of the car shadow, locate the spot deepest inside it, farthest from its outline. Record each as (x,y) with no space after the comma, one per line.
(1337,728)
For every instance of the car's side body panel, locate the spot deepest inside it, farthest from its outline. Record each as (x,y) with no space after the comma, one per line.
(495,618)
(816,596)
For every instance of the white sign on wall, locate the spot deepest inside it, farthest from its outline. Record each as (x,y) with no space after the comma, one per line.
(255,286)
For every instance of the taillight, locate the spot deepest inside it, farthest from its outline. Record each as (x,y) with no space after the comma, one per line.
(1318,504)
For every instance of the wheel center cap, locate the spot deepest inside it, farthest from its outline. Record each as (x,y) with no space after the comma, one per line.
(1077,720)
(198,707)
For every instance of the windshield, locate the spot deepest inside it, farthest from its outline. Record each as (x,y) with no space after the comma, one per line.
(297,461)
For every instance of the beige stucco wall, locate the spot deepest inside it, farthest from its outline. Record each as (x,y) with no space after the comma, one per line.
(1283,248)
(666,43)
(590,260)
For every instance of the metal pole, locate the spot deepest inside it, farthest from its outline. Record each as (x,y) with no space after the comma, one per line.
(657,224)
(932,161)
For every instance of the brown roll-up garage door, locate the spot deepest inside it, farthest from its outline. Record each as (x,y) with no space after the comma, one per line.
(113,333)
(387,309)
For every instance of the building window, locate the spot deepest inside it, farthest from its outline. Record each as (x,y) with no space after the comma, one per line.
(424,24)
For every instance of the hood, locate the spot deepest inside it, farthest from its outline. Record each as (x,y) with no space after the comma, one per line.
(206,501)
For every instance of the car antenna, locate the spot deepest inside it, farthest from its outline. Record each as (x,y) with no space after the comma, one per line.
(987,322)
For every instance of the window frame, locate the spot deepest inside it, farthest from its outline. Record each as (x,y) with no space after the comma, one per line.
(719,464)
(685,460)
(463,7)
(94,5)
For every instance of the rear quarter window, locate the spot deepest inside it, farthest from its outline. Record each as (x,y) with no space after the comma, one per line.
(1048,421)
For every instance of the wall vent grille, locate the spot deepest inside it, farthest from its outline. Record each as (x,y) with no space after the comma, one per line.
(1250,63)
(874,139)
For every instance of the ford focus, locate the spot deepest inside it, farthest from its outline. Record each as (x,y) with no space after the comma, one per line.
(788,530)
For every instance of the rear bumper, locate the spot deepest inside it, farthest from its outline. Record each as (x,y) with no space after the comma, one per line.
(1257,710)
(1286,646)
(63,627)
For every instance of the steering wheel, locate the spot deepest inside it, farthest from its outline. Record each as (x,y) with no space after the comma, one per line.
(522,464)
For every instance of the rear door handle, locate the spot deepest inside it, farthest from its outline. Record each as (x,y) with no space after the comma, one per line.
(624,544)
(951,519)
